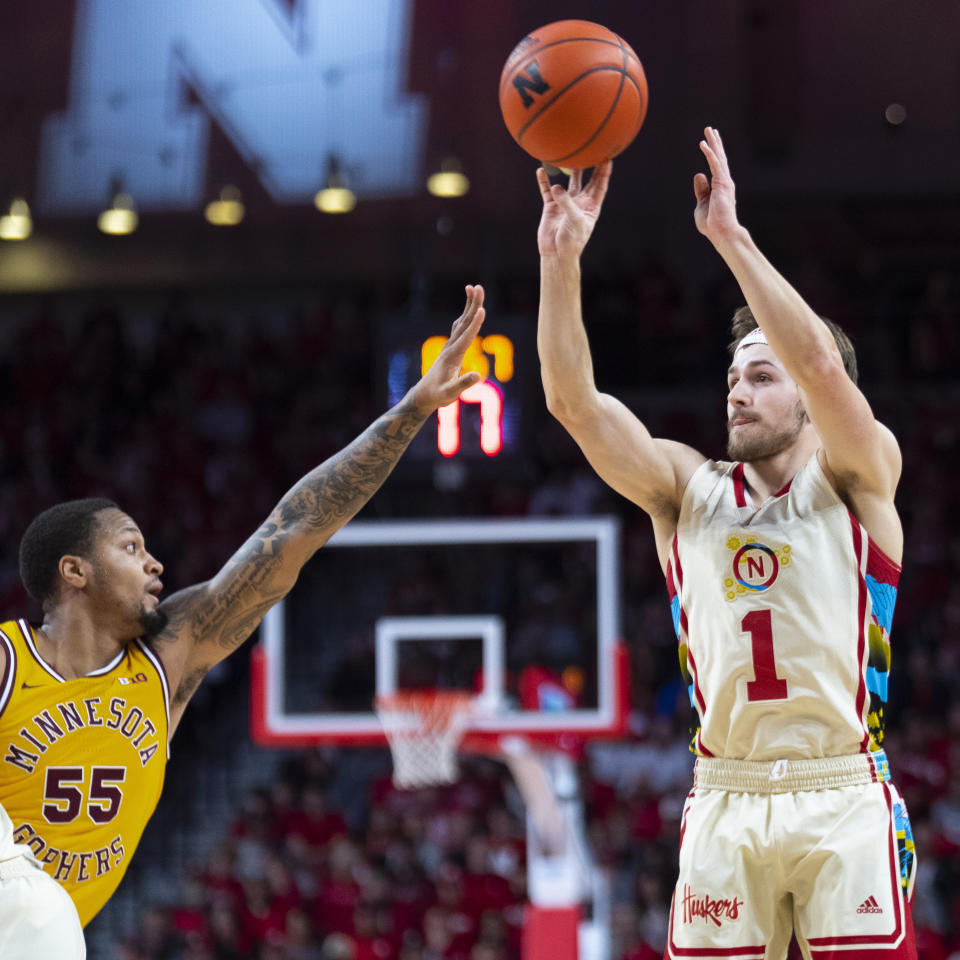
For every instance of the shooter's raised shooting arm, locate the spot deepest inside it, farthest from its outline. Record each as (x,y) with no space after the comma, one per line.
(650,472)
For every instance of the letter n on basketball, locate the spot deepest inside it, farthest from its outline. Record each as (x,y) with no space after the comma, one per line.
(524,84)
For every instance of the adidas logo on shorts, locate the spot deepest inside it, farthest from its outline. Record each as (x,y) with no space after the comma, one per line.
(870,905)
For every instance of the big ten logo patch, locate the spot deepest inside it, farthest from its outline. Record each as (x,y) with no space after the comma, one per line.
(755,568)
(136,678)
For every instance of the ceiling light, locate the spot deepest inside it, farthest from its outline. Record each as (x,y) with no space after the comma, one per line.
(335,196)
(120,218)
(17,224)
(227,210)
(449,181)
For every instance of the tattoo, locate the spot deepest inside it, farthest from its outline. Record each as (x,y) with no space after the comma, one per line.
(227,609)
(332,493)
(178,610)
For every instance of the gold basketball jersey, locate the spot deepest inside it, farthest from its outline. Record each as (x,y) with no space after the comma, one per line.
(83,762)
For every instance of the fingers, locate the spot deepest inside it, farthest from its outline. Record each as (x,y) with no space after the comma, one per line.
(476,322)
(599,181)
(466,325)
(713,161)
(543,181)
(549,191)
(475,296)
(468,380)
(565,201)
(712,135)
(596,188)
(701,187)
(712,148)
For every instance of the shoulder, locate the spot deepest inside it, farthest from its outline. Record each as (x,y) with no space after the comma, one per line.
(873,508)
(8,660)
(11,634)
(9,628)
(879,480)
(180,632)
(877,476)
(708,475)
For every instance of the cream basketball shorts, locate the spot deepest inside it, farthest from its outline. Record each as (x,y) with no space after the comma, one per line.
(817,848)
(37,916)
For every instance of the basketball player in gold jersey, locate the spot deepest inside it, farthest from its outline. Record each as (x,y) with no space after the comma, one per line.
(782,566)
(90,699)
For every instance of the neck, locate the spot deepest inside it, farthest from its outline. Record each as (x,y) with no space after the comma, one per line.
(73,644)
(769,475)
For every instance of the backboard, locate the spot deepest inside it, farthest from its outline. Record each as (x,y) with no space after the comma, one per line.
(523,613)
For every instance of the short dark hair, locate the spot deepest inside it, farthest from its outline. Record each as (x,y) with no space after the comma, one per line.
(67,528)
(744,321)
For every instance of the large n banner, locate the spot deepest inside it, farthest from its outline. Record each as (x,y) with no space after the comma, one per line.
(289,81)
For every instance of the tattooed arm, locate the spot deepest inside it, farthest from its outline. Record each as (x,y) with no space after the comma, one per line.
(208,621)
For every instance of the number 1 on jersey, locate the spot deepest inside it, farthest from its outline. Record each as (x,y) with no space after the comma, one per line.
(766,685)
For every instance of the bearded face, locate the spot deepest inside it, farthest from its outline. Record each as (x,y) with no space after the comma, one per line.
(153,621)
(765,413)
(124,586)
(757,439)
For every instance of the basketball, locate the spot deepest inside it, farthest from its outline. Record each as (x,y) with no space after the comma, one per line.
(573,94)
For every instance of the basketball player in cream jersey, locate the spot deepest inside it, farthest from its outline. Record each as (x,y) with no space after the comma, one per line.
(90,698)
(781,568)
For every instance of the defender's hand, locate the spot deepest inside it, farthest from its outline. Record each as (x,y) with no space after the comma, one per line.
(569,215)
(716,211)
(443,382)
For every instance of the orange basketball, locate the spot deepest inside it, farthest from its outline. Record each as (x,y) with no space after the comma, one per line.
(573,94)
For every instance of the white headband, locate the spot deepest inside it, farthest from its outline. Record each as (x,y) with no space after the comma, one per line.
(754,336)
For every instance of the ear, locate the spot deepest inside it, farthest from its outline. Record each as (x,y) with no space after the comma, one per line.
(74,571)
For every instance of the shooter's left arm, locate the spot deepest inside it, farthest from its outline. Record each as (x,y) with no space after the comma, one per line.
(860,452)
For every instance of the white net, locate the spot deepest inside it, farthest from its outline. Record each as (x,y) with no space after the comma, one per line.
(424,728)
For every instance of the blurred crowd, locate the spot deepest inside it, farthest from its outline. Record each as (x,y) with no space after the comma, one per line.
(196,412)
(440,873)
(430,874)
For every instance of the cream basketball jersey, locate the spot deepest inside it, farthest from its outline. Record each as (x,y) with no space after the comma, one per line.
(82,763)
(783,615)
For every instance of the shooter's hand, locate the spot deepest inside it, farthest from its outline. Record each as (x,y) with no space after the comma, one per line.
(569,215)
(716,211)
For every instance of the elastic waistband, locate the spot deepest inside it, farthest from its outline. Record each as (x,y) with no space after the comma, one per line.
(790,776)
(18,867)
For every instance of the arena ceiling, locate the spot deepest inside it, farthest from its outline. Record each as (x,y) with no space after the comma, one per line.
(807,95)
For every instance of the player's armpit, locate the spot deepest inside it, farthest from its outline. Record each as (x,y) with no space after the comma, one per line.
(870,498)
(878,473)
(208,621)
(860,452)
(211,619)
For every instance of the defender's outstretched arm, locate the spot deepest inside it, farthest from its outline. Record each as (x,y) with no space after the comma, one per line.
(210,620)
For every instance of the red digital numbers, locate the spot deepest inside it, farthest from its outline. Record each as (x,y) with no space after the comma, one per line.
(487,395)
